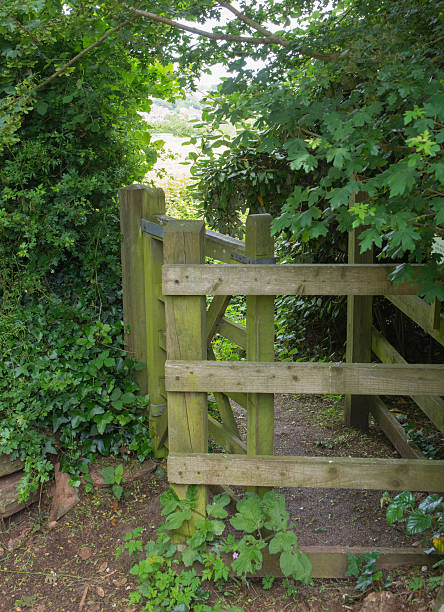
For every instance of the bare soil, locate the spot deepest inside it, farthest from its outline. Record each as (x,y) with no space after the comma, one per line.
(57,569)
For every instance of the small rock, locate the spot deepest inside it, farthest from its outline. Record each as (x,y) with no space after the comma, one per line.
(381,602)
(84,553)
(65,497)
(52,524)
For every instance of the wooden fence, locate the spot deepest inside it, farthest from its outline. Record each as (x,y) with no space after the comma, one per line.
(171,330)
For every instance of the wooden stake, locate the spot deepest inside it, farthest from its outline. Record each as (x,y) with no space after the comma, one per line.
(186,339)
(260,342)
(359,337)
(155,322)
(132,201)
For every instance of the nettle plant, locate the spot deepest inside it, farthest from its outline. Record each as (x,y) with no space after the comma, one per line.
(263,523)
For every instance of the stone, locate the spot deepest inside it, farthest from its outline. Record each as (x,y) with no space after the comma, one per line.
(64,497)
(381,602)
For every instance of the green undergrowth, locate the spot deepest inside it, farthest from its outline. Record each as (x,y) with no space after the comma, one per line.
(66,390)
(173,576)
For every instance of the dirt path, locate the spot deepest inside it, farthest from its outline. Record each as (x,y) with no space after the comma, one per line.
(55,570)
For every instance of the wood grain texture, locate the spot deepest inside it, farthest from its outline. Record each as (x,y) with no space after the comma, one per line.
(312,472)
(235,332)
(225,438)
(393,429)
(260,341)
(132,201)
(305,377)
(332,561)
(432,406)
(186,339)
(421,313)
(215,314)
(285,279)
(9,467)
(155,326)
(359,335)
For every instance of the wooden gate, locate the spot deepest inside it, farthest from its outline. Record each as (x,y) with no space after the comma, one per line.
(182,371)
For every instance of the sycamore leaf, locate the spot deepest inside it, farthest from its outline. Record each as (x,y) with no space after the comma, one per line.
(438,206)
(368,238)
(438,169)
(338,155)
(304,160)
(400,178)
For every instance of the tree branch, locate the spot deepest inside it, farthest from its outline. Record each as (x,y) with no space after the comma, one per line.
(73,60)
(253,24)
(269,39)
(204,33)
(22,27)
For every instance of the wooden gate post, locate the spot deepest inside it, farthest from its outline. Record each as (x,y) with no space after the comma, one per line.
(359,336)
(155,324)
(132,200)
(186,340)
(260,341)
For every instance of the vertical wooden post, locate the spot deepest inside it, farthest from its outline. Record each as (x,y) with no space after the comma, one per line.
(359,337)
(186,339)
(260,341)
(132,201)
(154,205)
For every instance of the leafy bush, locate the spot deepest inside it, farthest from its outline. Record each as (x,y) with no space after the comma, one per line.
(66,388)
(66,145)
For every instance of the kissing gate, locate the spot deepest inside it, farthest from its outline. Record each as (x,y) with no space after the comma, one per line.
(165,281)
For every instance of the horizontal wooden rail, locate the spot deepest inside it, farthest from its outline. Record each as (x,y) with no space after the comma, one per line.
(305,377)
(332,561)
(217,245)
(433,407)
(285,279)
(420,312)
(312,472)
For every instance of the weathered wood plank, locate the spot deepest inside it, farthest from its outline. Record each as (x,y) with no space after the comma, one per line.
(155,326)
(225,438)
(215,313)
(421,313)
(219,246)
(9,503)
(332,561)
(393,430)
(433,407)
(260,341)
(288,279)
(9,467)
(359,335)
(186,339)
(133,200)
(235,332)
(305,377)
(439,601)
(239,398)
(224,406)
(312,472)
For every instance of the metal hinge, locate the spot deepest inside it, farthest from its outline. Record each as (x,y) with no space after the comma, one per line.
(250,260)
(152,228)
